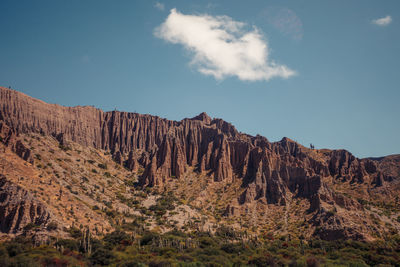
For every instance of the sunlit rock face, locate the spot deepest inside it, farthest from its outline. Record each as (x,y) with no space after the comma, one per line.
(162,149)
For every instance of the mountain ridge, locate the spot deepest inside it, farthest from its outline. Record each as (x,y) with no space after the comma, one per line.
(161,151)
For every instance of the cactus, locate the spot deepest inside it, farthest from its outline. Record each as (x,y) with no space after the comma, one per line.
(86,241)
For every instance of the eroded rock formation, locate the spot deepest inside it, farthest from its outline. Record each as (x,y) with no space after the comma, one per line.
(18,208)
(210,145)
(165,149)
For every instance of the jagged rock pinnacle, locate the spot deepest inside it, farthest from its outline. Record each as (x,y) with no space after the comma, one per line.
(203,117)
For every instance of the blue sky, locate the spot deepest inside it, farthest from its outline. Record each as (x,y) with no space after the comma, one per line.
(343,92)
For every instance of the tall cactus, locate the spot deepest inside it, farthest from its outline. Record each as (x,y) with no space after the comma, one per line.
(86,241)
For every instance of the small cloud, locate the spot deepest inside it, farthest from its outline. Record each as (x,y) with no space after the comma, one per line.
(211,5)
(285,21)
(159,6)
(382,21)
(85,59)
(222,47)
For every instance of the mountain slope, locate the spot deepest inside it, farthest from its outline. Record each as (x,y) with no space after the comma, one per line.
(229,176)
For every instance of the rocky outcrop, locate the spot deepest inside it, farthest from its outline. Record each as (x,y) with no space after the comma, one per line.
(117,157)
(132,163)
(161,149)
(331,226)
(22,151)
(18,208)
(9,138)
(389,167)
(7,135)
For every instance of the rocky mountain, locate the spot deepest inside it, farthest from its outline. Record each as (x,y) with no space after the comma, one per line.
(333,193)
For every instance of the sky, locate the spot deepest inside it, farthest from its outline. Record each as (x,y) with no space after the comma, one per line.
(316,71)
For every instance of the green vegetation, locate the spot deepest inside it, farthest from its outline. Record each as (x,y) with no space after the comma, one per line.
(164,203)
(140,247)
(21,252)
(63,147)
(52,226)
(30,226)
(102,166)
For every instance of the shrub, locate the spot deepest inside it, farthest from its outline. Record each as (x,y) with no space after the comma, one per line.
(14,249)
(108,204)
(206,241)
(52,226)
(160,264)
(101,256)
(68,244)
(225,231)
(102,166)
(4,259)
(158,209)
(64,148)
(147,238)
(312,262)
(133,264)
(231,248)
(56,261)
(30,226)
(116,237)
(22,260)
(111,213)
(263,261)
(75,232)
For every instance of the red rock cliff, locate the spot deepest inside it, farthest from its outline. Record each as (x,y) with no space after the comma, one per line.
(167,148)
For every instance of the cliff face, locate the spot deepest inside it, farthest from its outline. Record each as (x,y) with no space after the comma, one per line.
(165,149)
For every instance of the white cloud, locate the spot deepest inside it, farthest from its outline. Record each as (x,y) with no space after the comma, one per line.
(382,21)
(85,59)
(211,5)
(159,6)
(222,47)
(285,21)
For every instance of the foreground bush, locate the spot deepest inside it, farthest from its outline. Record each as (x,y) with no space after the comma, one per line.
(175,248)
